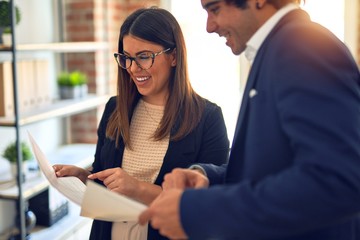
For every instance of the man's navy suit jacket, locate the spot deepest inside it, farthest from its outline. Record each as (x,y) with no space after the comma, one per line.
(294,167)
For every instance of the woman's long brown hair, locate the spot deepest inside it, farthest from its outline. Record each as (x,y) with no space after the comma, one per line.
(184,106)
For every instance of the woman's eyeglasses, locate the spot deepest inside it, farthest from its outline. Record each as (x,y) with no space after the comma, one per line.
(143,60)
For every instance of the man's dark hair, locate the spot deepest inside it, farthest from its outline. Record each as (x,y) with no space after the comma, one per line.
(276,3)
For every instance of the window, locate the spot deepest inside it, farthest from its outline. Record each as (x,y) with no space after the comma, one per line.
(339,16)
(331,17)
(213,69)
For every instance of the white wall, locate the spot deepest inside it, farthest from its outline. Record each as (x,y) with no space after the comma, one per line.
(351,36)
(340,17)
(214,70)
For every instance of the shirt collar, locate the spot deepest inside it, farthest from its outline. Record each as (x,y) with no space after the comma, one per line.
(253,45)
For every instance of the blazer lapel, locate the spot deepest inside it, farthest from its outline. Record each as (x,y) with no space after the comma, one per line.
(235,167)
(296,14)
(245,99)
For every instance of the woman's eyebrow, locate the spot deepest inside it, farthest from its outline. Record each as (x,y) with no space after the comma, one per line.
(137,53)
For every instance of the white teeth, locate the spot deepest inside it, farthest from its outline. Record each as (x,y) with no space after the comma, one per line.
(141,79)
(227,36)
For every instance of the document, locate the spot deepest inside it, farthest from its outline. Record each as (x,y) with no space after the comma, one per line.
(102,204)
(96,201)
(71,187)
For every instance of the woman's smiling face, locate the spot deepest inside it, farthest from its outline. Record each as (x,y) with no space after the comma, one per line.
(152,83)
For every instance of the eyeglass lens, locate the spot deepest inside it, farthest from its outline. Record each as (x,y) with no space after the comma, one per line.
(143,60)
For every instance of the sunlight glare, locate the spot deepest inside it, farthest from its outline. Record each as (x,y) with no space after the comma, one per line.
(331,17)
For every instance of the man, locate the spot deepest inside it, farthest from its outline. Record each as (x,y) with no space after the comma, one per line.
(294,167)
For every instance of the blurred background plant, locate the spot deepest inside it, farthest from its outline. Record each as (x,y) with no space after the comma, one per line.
(5,18)
(71,79)
(10,152)
(72,85)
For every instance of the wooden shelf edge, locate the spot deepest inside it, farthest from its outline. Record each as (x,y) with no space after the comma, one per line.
(60,108)
(59,47)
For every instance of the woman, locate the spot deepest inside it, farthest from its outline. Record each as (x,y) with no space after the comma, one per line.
(155,123)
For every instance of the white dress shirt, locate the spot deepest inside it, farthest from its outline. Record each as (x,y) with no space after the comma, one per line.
(253,45)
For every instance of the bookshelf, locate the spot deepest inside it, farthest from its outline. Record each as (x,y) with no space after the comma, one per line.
(22,62)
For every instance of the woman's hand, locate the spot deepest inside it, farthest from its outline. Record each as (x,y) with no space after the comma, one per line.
(71,170)
(117,180)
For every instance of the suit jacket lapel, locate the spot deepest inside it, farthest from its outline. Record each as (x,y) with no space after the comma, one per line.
(235,170)
(296,14)
(245,99)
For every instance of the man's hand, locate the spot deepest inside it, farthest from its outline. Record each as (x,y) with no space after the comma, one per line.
(163,214)
(185,178)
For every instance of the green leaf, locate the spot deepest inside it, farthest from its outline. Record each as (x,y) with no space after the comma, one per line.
(10,152)
(74,78)
(5,14)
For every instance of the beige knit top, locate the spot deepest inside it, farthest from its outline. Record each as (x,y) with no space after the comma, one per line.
(143,162)
(145,159)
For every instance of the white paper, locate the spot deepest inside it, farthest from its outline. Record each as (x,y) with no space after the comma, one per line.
(102,204)
(71,187)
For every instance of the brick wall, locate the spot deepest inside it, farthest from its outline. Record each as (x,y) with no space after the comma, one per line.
(95,20)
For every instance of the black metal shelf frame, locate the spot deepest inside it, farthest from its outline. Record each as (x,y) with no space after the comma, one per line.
(20,201)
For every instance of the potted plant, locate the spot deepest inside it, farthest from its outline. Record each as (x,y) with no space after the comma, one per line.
(6,36)
(72,85)
(5,21)
(10,153)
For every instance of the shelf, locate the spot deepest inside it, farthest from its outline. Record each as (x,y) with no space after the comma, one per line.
(63,47)
(32,60)
(81,155)
(59,108)
(70,225)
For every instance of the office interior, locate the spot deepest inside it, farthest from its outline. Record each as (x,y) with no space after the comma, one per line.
(58,36)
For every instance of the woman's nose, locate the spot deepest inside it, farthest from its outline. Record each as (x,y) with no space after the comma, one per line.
(135,67)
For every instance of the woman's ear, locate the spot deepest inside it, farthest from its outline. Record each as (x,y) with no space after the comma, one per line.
(173,56)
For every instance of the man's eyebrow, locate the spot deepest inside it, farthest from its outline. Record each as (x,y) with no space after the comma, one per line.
(209,4)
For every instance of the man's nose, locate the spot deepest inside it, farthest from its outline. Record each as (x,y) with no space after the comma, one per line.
(210,25)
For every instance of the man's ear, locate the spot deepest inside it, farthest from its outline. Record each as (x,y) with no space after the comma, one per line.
(173,56)
(260,3)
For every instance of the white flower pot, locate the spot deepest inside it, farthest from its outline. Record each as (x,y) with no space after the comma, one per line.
(6,38)
(24,170)
(73,92)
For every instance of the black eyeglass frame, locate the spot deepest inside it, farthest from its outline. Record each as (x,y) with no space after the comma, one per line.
(153,55)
